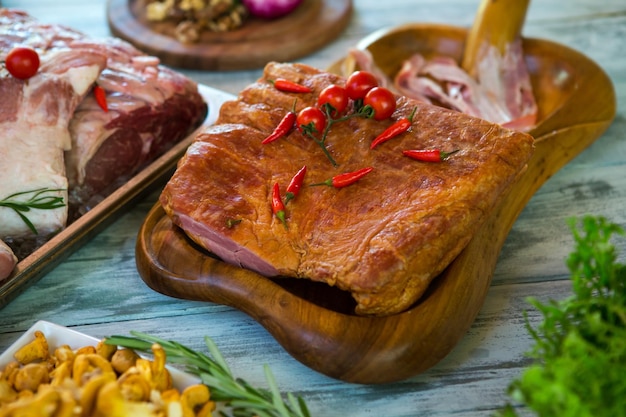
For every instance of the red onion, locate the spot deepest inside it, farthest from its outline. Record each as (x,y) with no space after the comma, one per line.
(270,9)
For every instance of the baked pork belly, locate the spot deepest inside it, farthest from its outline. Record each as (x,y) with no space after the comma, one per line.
(383,238)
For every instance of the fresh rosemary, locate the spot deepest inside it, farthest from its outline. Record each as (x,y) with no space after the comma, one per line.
(242,399)
(366,112)
(38,201)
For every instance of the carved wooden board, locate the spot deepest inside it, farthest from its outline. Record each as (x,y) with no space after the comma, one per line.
(312,25)
(314,323)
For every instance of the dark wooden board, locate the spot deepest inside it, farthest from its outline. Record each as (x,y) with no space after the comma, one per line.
(311,26)
(576,104)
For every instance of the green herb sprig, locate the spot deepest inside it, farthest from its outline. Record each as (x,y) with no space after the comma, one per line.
(38,201)
(579,366)
(242,399)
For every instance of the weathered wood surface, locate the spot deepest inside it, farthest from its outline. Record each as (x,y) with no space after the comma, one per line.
(98,290)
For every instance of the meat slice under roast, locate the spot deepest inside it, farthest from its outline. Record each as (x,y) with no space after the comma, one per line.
(384,238)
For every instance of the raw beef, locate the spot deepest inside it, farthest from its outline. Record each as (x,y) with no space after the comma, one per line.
(384,238)
(150,108)
(55,135)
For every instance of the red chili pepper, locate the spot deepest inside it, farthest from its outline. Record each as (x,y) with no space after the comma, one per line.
(101,97)
(283,128)
(428,155)
(345,179)
(278,208)
(394,130)
(289,86)
(294,186)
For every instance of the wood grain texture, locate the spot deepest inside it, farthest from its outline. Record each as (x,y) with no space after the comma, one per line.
(311,26)
(98,290)
(328,338)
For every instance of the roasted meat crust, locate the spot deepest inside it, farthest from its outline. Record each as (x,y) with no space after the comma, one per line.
(382,239)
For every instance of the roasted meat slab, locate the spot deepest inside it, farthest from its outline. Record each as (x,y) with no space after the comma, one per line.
(384,238)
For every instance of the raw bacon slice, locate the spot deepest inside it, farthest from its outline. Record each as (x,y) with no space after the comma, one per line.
(384,238)
(501,93)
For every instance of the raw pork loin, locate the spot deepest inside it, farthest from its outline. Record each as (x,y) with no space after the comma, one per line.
(56,137)
(384,238)
(34,120)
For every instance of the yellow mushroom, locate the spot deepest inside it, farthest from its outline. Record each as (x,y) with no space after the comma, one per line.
(134,387)
(61,373)
(171,403)
(89,392)
(88,365)
(196,401)
(31,376)
(155,370)
(64,354)
(86,350)
(123,359)
(68,404)
(36,350)
(44,404)
(161,377)
(9,371)
(111,403)
(7,392)
(104,350)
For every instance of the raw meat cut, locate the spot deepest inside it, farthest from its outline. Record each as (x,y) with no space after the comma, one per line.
(384,238)
(34,120)
(501,93)
(8,260)
(57,138)
(150,108)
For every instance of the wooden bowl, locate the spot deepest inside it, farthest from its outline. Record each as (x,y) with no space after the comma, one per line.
(314,322)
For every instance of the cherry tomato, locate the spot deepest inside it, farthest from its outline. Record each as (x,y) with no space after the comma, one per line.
(311,119)
(22,62)
(382,101)
(359,83)
(335,96)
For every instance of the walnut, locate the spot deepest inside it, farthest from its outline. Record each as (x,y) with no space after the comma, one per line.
(192,17)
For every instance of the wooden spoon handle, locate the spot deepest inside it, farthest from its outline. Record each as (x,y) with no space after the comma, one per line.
(497,22)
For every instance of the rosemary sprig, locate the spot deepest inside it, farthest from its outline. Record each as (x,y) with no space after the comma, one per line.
(242,399)
(38,201)
(361,111)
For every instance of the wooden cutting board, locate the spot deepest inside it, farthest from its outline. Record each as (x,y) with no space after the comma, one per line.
(311,26)
(315,323)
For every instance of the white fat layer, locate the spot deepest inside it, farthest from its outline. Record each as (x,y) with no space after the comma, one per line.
(32,159)
(32,155)
(81,79)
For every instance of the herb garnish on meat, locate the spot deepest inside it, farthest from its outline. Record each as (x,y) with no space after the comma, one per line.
(37,201)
